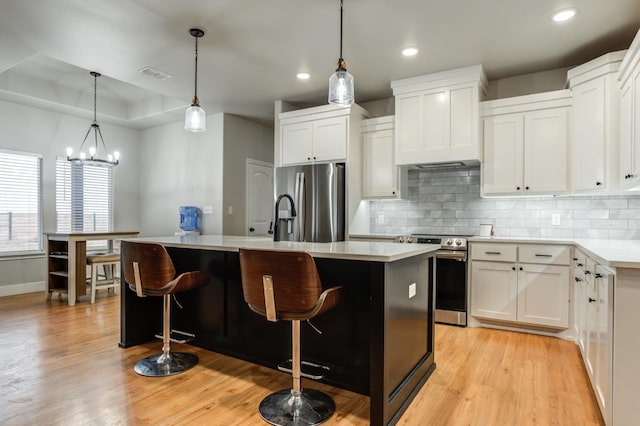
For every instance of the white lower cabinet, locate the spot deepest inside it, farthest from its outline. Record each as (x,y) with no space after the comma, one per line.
(593,291)
(543,295)
(512,290)
(494,291)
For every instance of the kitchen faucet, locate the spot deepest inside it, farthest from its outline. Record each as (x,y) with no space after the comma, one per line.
(276,226)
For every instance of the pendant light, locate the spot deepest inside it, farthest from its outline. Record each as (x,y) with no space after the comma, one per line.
(194,118)
(341,82)
(94,157)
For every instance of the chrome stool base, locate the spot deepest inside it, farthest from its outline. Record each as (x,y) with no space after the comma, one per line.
(165,365)
(306,407)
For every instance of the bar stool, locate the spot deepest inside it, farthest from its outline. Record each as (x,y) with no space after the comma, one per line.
(149,271)
(284,285)
(106,260)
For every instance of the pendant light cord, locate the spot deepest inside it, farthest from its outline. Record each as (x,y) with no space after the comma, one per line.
(195,94)
(341,1)
(95,96)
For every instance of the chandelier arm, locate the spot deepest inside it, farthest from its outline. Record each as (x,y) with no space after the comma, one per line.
(101,138)
(85,139)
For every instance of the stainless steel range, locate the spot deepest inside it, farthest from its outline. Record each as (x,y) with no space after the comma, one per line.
(451,275)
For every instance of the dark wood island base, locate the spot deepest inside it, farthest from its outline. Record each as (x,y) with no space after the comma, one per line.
(378,342)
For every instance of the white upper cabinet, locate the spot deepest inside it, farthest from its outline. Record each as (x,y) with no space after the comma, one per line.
(594,140)
(319,134)
(629,79)
(381,178)
(526,144)
(437,116)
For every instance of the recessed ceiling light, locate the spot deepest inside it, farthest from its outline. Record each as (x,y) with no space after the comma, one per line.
(303,76)
(410,51)
(564,15)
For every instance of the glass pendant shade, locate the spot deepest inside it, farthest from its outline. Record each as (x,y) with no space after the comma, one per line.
(341,88)
(195,119)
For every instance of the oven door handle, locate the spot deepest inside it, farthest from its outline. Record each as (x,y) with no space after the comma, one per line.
(450,254)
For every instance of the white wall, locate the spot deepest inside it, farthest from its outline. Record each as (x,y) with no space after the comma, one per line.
(180,168)
(26,128)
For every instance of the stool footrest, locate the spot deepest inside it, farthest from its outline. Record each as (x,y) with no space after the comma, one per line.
(308,369)
(177,336)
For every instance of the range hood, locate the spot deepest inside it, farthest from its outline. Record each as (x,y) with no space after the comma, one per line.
(445,165)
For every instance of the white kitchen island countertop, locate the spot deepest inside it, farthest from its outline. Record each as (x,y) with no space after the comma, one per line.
(352,250)
(613,253)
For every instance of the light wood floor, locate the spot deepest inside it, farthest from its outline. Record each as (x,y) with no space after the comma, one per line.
(62,365)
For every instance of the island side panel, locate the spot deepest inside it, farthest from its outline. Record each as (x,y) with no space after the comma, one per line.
(403,344)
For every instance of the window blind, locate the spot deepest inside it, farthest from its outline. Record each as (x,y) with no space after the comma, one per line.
(84,198)
(20,202)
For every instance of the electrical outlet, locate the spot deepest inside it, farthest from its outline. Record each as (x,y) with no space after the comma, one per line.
(555,219)
(230,210)
(412,290)
(380,219)
(207,209)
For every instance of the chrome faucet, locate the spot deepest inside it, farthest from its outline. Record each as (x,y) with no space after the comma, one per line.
(276,226)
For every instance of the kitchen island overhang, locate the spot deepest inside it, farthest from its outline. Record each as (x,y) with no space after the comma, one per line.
(379,342)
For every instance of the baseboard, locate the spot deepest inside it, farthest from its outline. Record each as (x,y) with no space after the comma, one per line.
(13,289)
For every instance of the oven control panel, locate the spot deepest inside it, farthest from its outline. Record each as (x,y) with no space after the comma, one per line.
(447,242)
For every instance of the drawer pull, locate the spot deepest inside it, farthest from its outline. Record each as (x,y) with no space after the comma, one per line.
(492,252)
(577,279)
(543,255)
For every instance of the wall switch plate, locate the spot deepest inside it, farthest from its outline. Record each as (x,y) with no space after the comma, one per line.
(412,290)
(230,210)
(207,210)
(555,219)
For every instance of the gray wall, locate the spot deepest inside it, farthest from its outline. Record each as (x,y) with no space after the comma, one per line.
(25,128)
(180,168)
(448,202)
(242,139)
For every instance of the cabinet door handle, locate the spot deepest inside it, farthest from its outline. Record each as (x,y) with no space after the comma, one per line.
(526,187)
(598,183)
(591,300)
(517,188)
(492,252)
(543,255)
(580,265)
(521,268)
(513,268)
(577,279)
(598,276)
(587,272)
(575,259)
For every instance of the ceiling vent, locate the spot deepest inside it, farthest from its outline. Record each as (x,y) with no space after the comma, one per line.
(157,74)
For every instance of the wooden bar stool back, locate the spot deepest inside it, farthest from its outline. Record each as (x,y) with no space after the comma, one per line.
(109,262)
(284,285)
(149,271)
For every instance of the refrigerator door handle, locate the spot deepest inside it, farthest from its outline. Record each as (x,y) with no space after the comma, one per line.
(300,207)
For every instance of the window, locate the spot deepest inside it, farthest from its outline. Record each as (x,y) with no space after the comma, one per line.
(84,197)
(20,202)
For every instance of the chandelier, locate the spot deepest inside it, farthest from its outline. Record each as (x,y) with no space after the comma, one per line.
(95,155)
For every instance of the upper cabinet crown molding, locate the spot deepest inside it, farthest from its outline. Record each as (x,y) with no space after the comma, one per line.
(596,68)
(631,61)
(437,117)
(537,101)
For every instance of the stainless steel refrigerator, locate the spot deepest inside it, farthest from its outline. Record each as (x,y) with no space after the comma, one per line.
(318,210)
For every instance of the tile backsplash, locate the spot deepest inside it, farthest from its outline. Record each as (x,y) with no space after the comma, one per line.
(449,202)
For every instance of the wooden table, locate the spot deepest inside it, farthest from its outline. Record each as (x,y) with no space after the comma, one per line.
(67,260)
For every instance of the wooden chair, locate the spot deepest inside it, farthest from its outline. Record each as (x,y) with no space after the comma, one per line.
(284,285)
(149,271)
(109,262)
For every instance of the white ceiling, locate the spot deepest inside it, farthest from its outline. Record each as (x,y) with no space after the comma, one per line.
(253,49)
